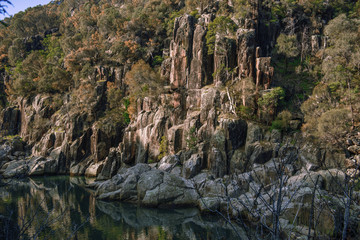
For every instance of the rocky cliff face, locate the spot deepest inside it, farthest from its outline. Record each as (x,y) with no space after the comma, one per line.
(194,120)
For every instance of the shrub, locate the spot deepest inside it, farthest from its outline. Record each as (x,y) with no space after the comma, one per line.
(163,149)
(282,122)
(191,139)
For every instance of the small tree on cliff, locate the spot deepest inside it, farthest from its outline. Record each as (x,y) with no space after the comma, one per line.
(287,45)
(142,81)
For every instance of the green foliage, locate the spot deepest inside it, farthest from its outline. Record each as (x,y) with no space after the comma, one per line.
(163,148)
(221,25)
(143,81)
(245,112)
(333,128)
(282,122)
(341,78)
(41,71)
(272,98)
(287,45)
(242,8)
(191,139)
(157,61)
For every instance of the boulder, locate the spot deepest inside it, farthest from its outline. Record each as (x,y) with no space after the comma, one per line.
(174,191)
(209,204)
(15,169)
(168,162)
(41,166)
(148,181)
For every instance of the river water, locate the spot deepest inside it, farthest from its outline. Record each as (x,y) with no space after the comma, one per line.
(61,208)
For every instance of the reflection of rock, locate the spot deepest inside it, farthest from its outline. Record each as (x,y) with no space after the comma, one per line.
(181,222)
(9,229)
(145,217)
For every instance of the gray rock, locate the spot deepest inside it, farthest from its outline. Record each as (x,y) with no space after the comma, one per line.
(174,191)
(192,166)
(260,153)
(15,168)
(209,204)
(167,163)
(148,181)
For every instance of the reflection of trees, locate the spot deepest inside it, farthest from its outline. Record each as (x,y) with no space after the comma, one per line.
(55,208)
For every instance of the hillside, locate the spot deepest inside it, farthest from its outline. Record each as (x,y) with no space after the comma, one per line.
(229,98)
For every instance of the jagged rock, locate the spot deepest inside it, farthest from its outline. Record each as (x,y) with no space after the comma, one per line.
(78,169)
(17,145)
(233,190)
(238,161)
(246,52)
(94,169)
(237,133)
(212,188)
(167,163)
(11,121)
(58,155)
(259,153)
(264,73)
(14,169)
(199,73)
(40,166)
(176,138)
(334,180)
(217,159)
(111,164)
(128,148)
(192,166)
(254,134)
(149,187)
(181,51)
(305,179)
(209,99)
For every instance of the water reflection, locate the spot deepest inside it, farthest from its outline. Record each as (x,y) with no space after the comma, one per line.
(61,208)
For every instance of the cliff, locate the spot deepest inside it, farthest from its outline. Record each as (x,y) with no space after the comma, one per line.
(189,101)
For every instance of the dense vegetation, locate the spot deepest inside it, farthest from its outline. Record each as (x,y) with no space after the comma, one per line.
(57,48)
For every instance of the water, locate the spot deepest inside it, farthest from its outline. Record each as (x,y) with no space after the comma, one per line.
(61,208)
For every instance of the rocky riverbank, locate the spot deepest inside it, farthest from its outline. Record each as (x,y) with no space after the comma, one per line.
(276,168)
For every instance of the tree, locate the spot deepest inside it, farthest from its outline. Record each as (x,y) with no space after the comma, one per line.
(142,82)
(341,65)
(287,45)
(3,6)
(221,25)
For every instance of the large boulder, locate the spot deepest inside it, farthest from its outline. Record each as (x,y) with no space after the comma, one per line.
(41,166)
(168,162)
(174,191)
(15,169)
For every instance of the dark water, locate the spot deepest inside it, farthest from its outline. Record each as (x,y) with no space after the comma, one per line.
(59,208)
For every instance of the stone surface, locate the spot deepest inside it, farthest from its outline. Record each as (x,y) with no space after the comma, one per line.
(192,166)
